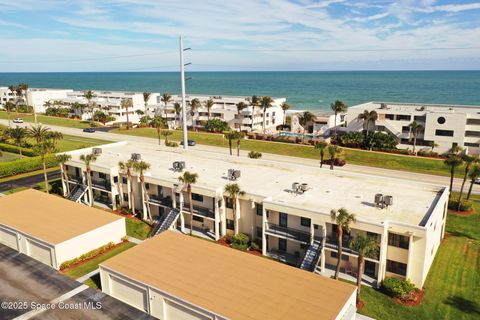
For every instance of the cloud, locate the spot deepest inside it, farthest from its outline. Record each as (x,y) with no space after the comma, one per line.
(458,7)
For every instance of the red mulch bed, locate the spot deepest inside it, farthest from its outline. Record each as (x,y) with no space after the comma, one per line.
(223,242)
(416,298)
(98,255)
(463,213)
(360,304)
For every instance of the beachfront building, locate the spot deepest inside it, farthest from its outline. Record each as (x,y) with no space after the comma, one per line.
(322,124)
(285,208)
(36,97)
(444,126)
(173,276)
(225,109)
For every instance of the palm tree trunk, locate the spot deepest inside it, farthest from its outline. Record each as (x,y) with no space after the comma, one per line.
(189,189)
(470,189)
(321,159)
(452,173)
(359,277)
(264,120)
(20,150)
(132,195)
(238,148)
(467,168)
(253,116)
(65,177)
(90,190)
(414,142)
(127,119)
(8,116)
(332,159)
(340,251)
(335,125)
(45,175)
(159,138)
(230,145)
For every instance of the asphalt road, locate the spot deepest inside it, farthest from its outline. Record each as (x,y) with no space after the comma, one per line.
(418,177)
(28,182)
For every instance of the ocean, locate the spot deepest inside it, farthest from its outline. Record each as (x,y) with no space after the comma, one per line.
(303,90)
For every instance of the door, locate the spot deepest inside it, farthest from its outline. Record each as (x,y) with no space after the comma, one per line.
(176,311)
(39,252)
(283,219)
(9,238)
(370,268)
(128,293)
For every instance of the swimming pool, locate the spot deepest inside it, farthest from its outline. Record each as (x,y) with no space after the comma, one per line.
(298,135)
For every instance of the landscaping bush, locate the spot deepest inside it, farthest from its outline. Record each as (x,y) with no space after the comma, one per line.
(464,206)
(14,149)
(25,165)
(397,288)
(216,125)
(427,154)
(240,241)
(254,246)
(24,109)
(254,155)
(172,144)
(337,162)
(86,256)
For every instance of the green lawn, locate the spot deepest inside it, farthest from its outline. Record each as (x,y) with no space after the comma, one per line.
(69,143)
(93,264)
(28,174)
(55,121)
(453,283)
(7,156)
(359,157)
(94,282)
(137,228)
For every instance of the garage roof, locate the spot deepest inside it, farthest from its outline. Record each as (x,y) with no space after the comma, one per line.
(228,282)
(49,217)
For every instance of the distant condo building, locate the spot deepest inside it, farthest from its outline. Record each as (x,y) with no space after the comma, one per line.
(445,125)
(321,125)
(285,208)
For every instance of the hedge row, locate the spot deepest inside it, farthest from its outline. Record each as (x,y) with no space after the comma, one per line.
(86,256)
(14,149)
(25,165)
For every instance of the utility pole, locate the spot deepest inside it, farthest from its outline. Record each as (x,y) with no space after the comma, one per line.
(184,103)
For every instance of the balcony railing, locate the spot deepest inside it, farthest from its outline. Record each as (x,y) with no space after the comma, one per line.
(75,179)
(288,258)
(164,201)
(199,211)
(332,243)
(288,233)
(102,184)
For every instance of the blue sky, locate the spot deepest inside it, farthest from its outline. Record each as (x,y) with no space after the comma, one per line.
(142,35)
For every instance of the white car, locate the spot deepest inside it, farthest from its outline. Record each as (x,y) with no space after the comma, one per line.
(477,181)
(18,120)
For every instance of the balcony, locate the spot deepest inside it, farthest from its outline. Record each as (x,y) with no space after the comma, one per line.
(160,200)
(288,258)
(199,211)
(287,233)
(102,184)
(75,179)
(332,243)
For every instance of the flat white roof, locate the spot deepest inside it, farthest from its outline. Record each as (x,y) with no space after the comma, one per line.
(420,107)
(269,179)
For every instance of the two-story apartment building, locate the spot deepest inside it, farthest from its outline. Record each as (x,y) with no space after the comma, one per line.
(444,125)
(322,124)
(285,207)
(35,97)
(225,108)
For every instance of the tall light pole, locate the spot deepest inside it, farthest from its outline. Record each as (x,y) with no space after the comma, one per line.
(184,103)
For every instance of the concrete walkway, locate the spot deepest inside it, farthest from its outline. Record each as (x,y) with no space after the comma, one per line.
(134,240)
(88,275)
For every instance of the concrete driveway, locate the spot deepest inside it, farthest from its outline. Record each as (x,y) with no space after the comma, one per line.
(25,281)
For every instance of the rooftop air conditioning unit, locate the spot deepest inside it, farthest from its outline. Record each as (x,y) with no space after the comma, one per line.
(236,174)
(97,151)
(304,187)
(178,165)
(379,199)
(295,186)
(383,106)
(136,157)
(388,200)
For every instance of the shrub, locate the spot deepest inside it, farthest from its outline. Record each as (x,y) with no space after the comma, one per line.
(464,206)
(254,155)
(216,125)
(14,149)
(240,241)
(397,288)
(172,144)
(25,165)
(254,246)
(86,256)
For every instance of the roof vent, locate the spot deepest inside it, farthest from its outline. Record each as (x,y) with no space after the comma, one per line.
(388,201)
(299,188)
(136,156)
(383,201)
(97,151)
(234,174)
(178,165)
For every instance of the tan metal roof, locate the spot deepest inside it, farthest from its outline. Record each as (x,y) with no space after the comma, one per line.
(49,217)
(228,282)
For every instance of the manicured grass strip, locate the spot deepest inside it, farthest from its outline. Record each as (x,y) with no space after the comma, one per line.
(91,265)
(137,228)
(359,157)
(28,174)
(7,156)
(69,143)
(14,190)
(54,121)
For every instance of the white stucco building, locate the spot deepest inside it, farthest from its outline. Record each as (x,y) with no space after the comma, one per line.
(323,123)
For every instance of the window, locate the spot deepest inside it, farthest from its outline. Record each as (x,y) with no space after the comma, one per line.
(282,244)
(344,257)
(124,180)
(390,116)
(230,224)
(147,186)
(397,267)
(273,114)
(441,120)
(403,117)
(199,219)
(125,197)
(333,254)
(115,179)
(259,232)
(102,175)
(473,121)
(305,222)
(304,246)
(159,190)
(229,203)
(259,208)
(197,197)
(372,235)
(283,219)
(470,133)
(398,240)
(405,129)
(473,145)
(419,118)
(444,133)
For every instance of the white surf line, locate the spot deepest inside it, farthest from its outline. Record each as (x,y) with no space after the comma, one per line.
(63,297)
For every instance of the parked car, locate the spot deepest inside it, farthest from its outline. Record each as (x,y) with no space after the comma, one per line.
(477,180)
(89,130)
(190,143)
(18,120)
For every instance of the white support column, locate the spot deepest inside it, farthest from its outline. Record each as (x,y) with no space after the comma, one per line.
(264,236)
(217,219)
(64,183)
(237,216)
(113,192)
(383,255)
(324,240)
(223,218)
(409,258)
(312,232)
(144,205)
(174,198)
(253,214)
(182,217)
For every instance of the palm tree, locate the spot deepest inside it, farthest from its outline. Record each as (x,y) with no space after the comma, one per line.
(88,159)
(365,247)
(18,135)
(166,98)
(208,105)
(239,139)
(233,191)
(187,179)
(43,149)
(23,87)
(194,105)
(140,167)
(231,136)
(433,145)
(126,168)
(453,160)
(338,107)
(9,107)
(158,123)
(303,119)
(125,104)
(343,219)
(321,146)
(265,103)
(254,102)
(468,160)
(415,129)
(38,133)
(473,175)
(146,97)
(177,107)
(285,106)
(333,151)
(367,117)
(166,134)
(62,159)
(240,106)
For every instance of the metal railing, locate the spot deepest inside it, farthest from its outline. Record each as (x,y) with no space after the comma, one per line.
(199,211)
(164,201)
(288,233)
(102,184)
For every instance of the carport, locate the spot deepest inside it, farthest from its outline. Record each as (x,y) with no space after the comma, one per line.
(52,230)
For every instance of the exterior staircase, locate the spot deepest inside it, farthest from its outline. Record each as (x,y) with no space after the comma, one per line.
(168,221)
(77,193)
(310,260)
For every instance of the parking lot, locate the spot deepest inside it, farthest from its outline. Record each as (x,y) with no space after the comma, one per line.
(25,282)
